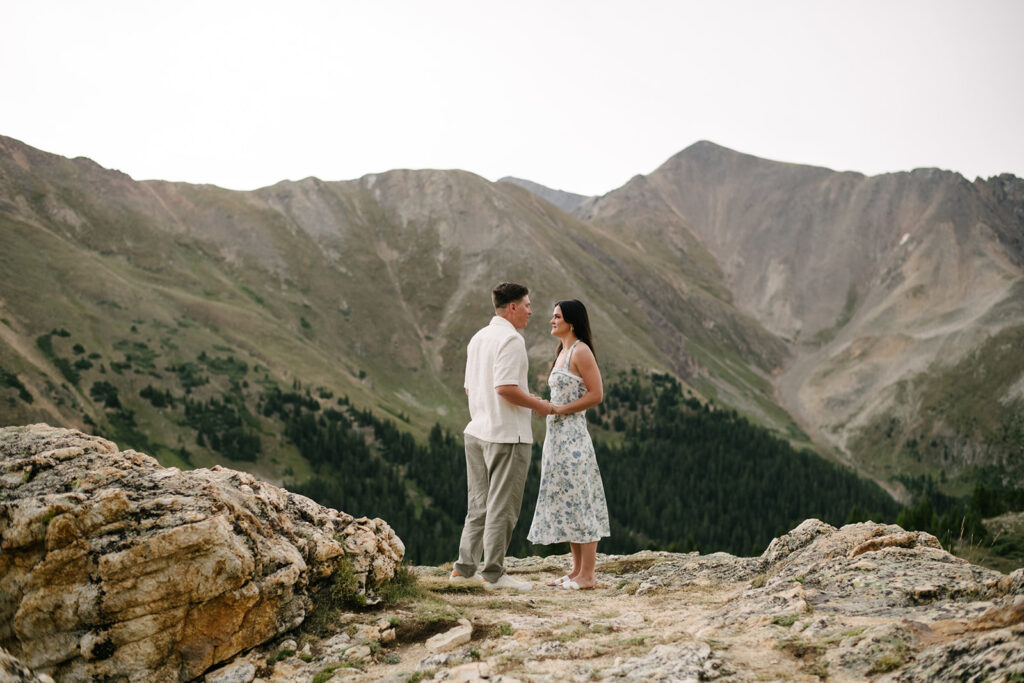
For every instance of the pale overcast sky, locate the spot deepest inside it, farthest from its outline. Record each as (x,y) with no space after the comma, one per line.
(577,95)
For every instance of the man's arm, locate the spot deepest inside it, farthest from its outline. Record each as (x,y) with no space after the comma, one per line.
(516,396)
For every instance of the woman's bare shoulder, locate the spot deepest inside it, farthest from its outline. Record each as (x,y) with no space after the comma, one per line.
(584,354)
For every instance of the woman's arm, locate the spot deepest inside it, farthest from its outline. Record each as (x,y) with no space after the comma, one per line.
(586,367)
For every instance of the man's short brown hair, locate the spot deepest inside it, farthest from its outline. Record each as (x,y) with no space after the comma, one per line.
(506,293)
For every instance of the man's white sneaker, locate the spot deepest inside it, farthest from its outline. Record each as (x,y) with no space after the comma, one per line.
(506,581)
(458,579)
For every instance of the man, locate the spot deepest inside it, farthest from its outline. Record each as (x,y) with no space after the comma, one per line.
(498,439)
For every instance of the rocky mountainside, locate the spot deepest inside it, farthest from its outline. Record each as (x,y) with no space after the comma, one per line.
(368,288)
(112,565)
(878,317)
(883,288)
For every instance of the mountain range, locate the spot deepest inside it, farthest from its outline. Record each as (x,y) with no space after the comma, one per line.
(878,320)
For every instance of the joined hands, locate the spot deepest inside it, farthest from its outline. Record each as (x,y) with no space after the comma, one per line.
(546,408)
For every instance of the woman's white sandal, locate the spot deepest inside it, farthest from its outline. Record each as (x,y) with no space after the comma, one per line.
(559,581)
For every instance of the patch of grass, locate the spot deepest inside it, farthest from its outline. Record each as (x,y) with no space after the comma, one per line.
(458,589)
(785,619)
(327,673)
(800,648)
(886,663)
(432,615)
(759,581)
(850,633)
(892,654)
(818,668)
(402,587)
(574,632)
(627,566)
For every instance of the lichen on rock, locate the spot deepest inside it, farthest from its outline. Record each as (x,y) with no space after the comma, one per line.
(111,564)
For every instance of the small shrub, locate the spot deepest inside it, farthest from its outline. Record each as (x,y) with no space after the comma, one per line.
(11,380)
(341,593)
(106,393)
(402,586)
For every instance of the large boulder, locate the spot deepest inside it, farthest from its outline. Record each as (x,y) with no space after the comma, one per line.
(112,565)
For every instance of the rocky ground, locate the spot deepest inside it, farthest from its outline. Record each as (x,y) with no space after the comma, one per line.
(110,569)
(864,602)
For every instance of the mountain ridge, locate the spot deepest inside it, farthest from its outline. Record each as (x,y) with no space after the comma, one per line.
(916,267)
(757,282)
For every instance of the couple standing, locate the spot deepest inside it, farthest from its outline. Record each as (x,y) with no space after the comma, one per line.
(570,504)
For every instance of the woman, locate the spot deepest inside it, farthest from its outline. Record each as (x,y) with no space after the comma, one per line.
(571,505)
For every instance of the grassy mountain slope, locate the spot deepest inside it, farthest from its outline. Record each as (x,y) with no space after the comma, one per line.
(368,288)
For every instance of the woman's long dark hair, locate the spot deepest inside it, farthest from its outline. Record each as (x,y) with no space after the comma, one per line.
(575,313)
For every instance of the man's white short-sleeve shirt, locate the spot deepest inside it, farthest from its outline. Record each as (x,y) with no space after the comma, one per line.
(496,356)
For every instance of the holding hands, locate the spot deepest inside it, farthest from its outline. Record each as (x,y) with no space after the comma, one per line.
(548,408)
(545,408)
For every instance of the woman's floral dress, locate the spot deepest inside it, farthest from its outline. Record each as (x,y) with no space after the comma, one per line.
(570,505)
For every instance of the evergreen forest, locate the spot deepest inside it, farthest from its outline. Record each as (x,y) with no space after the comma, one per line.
(680,474)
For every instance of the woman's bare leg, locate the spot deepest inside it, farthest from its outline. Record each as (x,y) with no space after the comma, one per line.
(575,548)
(587,560)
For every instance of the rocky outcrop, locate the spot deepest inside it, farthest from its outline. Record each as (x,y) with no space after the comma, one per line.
(111,565)
(862,602)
